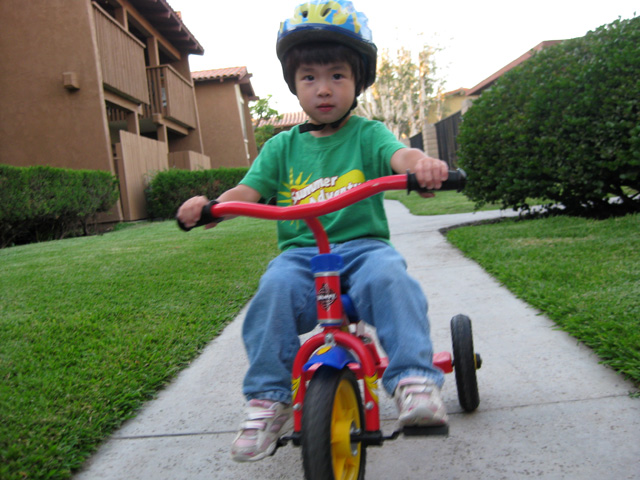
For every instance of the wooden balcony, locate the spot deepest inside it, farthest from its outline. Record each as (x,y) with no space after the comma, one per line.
(171,95)
(121,59)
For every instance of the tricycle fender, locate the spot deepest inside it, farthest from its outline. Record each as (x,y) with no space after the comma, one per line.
(330,355)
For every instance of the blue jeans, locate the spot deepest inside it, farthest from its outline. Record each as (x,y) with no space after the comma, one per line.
(383,293)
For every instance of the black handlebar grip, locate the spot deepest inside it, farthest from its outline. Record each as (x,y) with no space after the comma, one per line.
(205,217)
(456,181)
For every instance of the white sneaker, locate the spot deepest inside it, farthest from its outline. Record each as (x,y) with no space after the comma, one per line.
(266,422)
(419,403)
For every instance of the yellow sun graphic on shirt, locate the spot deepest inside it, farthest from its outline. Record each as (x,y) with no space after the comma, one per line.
(293,185)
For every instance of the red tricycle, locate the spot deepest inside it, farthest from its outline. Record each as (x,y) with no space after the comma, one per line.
(336,371)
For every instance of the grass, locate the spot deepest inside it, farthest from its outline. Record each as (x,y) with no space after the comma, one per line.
(91,328)
(583,274)
(446,202)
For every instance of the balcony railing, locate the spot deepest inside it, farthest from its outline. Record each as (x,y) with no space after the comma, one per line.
(121,58)
(171,95)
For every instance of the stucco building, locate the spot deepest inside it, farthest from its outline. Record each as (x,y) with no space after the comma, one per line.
(106,85)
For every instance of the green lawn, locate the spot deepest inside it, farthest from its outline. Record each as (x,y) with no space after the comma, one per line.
(446,202)
(583,274)
(90,328)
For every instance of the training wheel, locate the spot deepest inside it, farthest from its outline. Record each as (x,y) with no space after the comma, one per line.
(465,363)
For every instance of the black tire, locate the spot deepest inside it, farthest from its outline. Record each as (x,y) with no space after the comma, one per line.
(464,363)
(332,411)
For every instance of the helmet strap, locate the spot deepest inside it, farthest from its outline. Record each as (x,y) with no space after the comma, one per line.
(311,127)
(314,127)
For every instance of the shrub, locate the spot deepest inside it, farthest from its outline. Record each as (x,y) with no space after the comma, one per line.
(168,189)
(564,125)
(43,203)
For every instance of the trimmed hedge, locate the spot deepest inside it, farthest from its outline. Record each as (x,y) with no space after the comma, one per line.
(170,188)
(44,203)
(564,126)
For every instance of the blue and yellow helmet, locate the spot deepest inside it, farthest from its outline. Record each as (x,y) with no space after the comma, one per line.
(334,21)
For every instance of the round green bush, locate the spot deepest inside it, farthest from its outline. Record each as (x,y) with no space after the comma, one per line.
(563,126)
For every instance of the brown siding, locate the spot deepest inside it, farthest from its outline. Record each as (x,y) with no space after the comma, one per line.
(42,123)
(138,158)
(121,58)
(172,95)
(220,123)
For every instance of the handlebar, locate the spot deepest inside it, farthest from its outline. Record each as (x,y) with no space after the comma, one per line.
(456,180)
(214,212)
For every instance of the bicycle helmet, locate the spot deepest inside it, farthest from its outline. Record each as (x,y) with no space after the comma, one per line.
(335,21)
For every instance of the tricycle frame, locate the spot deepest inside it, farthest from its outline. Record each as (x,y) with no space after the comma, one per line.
(342,342)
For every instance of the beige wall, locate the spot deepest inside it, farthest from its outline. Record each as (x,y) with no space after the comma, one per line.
(450,104)
(41,122)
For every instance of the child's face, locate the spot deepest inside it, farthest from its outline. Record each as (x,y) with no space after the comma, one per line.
(325,92)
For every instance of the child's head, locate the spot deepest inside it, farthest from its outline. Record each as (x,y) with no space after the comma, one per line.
(327,31)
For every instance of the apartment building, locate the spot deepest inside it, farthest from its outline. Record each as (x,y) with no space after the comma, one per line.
(102,85)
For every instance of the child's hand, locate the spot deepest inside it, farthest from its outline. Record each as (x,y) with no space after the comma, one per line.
(430,172)
(189,212)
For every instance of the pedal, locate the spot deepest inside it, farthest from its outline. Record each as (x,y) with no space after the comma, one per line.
(283,441)
(426,431)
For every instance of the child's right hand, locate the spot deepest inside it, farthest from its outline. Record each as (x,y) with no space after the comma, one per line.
(189,212)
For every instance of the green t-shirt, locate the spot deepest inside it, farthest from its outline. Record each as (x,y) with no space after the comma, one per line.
(298,168)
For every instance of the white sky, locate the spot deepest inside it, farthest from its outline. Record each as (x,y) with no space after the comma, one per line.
(477,38)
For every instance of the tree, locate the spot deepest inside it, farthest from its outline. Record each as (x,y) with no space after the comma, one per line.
(564,126)
(403,91)
(262,113)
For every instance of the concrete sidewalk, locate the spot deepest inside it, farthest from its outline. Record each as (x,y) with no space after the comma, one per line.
(547,410)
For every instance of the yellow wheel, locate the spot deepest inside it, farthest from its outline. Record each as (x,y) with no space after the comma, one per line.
(332,413)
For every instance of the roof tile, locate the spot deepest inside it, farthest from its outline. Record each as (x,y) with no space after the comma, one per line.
(287,120)
(220,74)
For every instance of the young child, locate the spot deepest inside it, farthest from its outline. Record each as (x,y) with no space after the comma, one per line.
(328,59)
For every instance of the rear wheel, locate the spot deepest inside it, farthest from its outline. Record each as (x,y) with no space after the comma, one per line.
(465,363)
(332,412)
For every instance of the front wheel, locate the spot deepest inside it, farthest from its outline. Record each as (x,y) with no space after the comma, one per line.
(465,362)
(332,412)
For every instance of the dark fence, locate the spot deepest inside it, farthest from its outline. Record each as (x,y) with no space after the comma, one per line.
(447,131)
(416,141)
